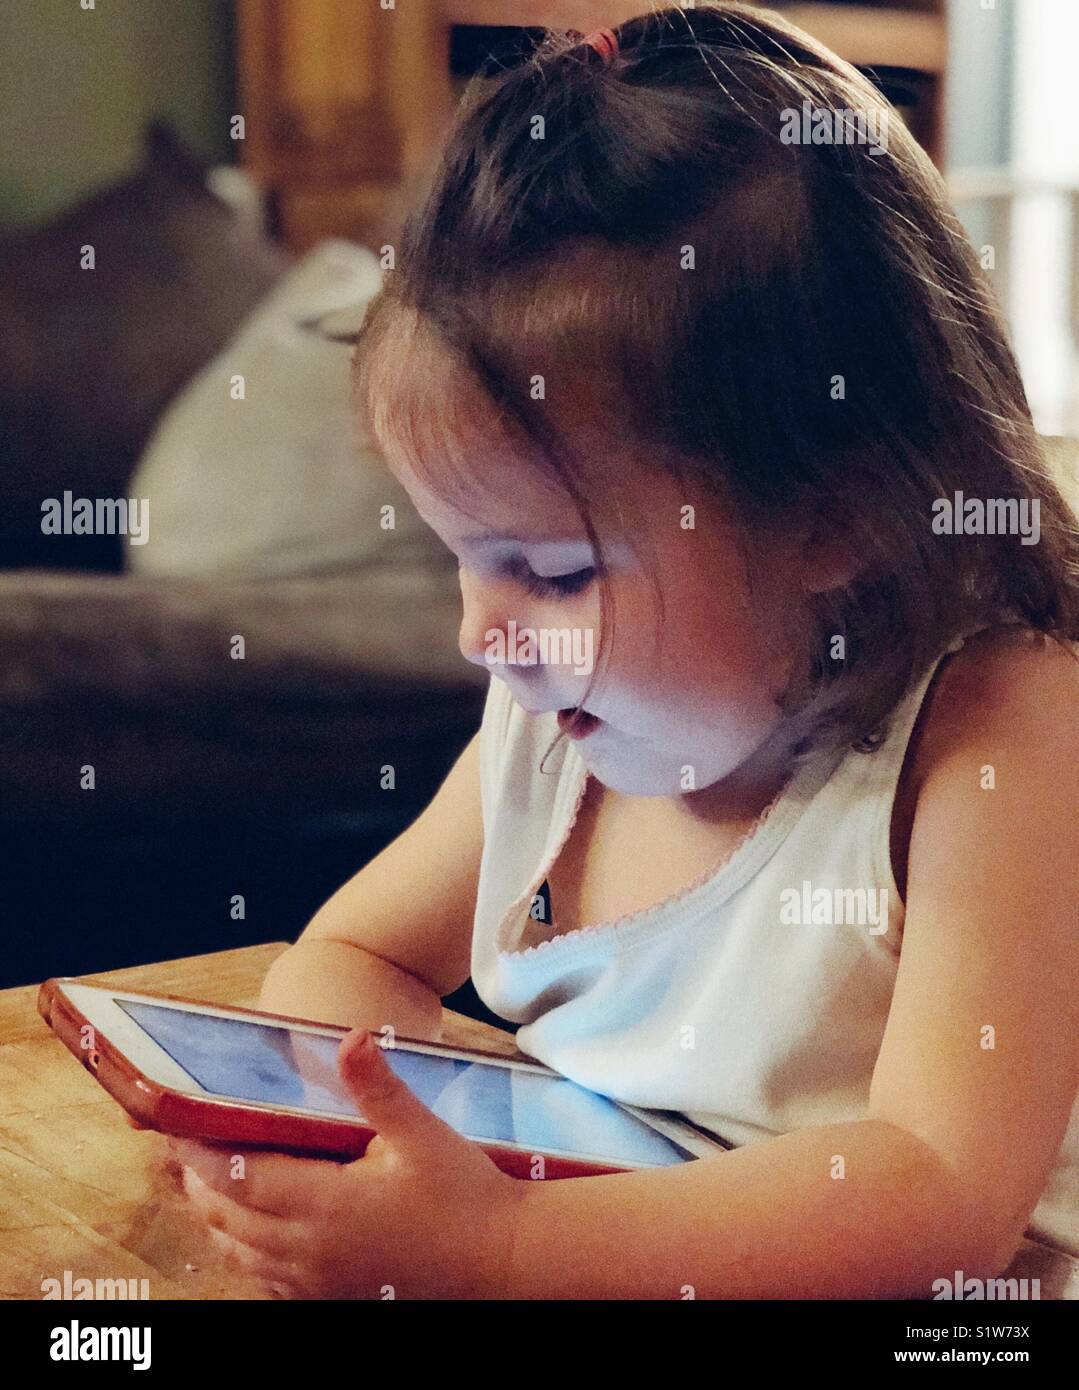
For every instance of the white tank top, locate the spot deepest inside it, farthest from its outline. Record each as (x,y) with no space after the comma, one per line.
(755,1000)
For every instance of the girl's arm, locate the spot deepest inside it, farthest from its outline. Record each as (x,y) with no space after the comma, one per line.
(778,1219)
(975,1079)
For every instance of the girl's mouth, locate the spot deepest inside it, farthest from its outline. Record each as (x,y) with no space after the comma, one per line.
(577,723)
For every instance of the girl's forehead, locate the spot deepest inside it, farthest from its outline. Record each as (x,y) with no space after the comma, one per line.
(479,487)
(470,473)
(467,472)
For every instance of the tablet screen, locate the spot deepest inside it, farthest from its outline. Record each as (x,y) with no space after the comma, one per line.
(244,1060)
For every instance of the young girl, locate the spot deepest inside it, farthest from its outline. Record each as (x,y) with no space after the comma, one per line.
(795,854)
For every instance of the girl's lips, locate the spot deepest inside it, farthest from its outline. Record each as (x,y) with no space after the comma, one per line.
(577,723)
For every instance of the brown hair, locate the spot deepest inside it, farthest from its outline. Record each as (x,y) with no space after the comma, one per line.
(810,263)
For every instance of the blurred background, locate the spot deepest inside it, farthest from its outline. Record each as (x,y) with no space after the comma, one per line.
(203,733)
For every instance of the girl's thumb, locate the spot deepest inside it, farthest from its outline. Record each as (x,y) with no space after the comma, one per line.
(384,1101)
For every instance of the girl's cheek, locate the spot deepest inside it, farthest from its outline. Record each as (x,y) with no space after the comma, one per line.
(636,661)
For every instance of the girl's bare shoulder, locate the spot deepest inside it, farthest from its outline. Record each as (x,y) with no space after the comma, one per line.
(1006,687)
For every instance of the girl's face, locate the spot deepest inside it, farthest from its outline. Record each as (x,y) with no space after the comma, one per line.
(686,693)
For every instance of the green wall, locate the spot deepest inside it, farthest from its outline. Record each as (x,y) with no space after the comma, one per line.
(78,86)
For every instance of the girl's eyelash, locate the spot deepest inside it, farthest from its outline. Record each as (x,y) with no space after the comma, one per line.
(557,585)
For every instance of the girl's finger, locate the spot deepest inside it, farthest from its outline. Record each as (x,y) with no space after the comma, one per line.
(267,1182)
(274,1235)
(281,1278)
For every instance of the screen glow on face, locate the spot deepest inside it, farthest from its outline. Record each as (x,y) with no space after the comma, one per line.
(281,1066)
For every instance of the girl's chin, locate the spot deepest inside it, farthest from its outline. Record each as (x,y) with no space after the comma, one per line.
(631,769)
(625,774)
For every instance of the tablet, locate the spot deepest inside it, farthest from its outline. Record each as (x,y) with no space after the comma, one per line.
(248,1078)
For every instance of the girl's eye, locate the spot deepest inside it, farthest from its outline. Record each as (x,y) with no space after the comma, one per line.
(557,585)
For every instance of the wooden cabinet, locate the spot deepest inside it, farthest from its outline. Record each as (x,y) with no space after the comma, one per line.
(346,101)
(343,101)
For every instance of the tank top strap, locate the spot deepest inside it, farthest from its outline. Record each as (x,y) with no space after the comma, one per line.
(889,745)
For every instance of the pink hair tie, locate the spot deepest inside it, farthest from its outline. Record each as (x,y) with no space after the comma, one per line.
(605,42)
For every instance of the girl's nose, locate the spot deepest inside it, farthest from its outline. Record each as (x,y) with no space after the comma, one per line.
(483,613)
(473,644)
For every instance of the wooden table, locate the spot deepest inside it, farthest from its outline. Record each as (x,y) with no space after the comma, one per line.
(80,1189)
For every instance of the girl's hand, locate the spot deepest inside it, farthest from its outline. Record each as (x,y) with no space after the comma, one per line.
(423,1214)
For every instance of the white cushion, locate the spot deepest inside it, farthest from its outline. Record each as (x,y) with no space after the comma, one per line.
(282,481)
